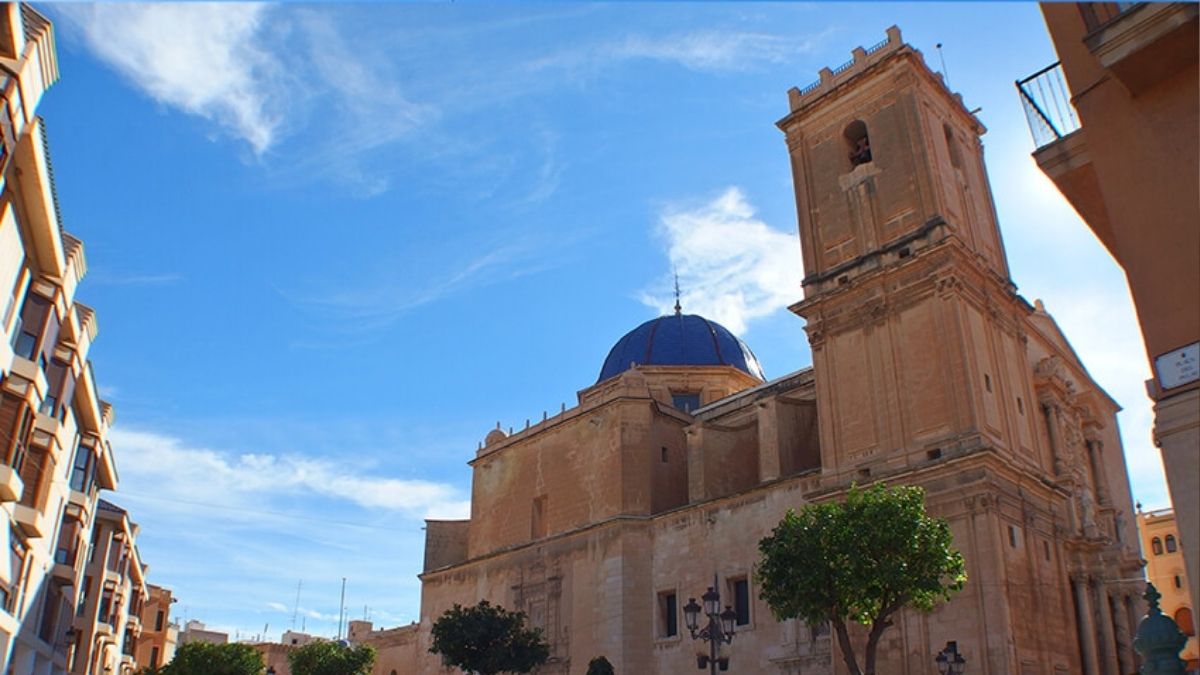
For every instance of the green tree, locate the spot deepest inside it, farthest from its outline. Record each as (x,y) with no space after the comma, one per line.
(331,658)
(202,658)
(488,639)
(599,666)
(861,560)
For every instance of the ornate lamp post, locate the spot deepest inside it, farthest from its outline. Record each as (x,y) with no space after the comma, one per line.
(949,661)
(717,632)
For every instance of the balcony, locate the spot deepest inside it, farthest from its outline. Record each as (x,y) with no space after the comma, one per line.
(11,485)
(31,521)
(1141,43)
(1062,149)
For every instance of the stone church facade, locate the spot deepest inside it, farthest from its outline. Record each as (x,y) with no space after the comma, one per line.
(928,369)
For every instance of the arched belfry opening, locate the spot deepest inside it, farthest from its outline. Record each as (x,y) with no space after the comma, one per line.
(858,142)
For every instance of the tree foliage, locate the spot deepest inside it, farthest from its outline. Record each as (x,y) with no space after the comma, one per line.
(861,560)
(202,658)
(599,666)
(331,658)
(488,639)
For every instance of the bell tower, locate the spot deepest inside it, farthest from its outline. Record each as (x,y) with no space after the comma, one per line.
(915,327)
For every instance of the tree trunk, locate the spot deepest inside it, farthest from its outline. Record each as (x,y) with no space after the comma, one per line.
(847,649)
(877,629)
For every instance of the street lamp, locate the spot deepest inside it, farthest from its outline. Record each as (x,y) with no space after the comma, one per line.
(949,661)
(718,630)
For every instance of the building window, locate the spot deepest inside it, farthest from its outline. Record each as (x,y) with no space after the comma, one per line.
(83,472)
(32,325)
(668,615)
(739,592)
(1183,619)
(158,621)
(537,520)
(987,382)
(858,142)
(1156,546)
(687,402)
(1170,543)
(154,657)
(17,552)
(1020,406)
(664,454)
(1178,581)
(1046,550)
(1012,536)
(83,595)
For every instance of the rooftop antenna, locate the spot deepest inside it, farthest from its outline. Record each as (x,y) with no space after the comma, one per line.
(342,611)
(678,307)
(296,607)
(942,57)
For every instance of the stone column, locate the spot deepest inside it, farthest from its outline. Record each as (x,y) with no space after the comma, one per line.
(1099,476)
(1050,409)
(1085,622)
(1108,638)
(1124,635)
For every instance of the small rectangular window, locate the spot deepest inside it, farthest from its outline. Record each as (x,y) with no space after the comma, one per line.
(1046,550)
(158,621)
(987,382)
(664,455)
(668,623)
(687,402)
(739,591)
(1020,406)
(1012,536)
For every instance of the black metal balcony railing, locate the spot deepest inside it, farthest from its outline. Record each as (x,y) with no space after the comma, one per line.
(1097,14)
(1047,102)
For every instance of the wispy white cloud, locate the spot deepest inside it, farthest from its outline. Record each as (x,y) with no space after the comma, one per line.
(709,50)
(371,304)
(201,475)
(732,267)
(203,58)
(102,279)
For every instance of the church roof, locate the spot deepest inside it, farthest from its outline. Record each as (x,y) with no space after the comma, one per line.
(680,340)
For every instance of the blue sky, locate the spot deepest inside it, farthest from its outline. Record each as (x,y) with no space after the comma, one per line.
(332,245)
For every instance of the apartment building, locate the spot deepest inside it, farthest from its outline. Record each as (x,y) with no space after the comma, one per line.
(55,456)
(113,600)
(1117,125)
(1165,569)
(156,645)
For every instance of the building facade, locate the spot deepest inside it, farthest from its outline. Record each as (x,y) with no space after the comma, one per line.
(1127,158)
(159,634)
(1166,570)
(928,369)
(114,596)
(195,631)
(53,424)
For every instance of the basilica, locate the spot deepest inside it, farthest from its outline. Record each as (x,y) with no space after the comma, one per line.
(601,522)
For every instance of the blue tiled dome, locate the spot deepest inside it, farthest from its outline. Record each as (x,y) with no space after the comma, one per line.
(680,340)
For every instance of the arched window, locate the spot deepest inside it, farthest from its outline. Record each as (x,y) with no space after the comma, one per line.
(1156,546)
(858,143)
(1183,619)
(1170,543)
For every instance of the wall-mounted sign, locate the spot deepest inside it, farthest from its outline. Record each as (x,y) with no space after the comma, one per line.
(1178,367)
